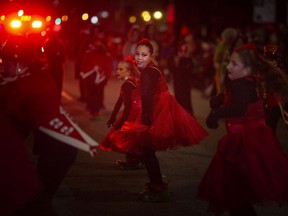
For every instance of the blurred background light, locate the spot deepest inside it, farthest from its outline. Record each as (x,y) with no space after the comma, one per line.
(16,24)
(94,20)
(132,19)
(85,16)
(157,15)
(20,13)
(37,24)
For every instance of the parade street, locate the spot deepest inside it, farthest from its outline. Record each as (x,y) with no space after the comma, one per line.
(95,186)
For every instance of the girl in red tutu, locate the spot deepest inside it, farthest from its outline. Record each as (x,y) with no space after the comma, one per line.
(130,98)
(164,124)
(249,166)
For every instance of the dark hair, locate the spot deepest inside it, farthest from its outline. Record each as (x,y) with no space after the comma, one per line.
(275,79)
(147,43)
(240,38)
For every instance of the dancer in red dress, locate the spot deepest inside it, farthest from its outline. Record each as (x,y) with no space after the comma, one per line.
(164,123)
(130,98)
(249,166)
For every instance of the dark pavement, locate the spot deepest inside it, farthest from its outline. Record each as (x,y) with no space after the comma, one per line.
(95,186)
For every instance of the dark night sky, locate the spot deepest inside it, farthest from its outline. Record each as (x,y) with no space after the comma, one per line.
(190,12)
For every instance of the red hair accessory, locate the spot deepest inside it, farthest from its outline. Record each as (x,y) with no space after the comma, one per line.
(130,59)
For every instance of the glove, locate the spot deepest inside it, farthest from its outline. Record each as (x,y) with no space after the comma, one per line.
(216,101)
(212,121)
(111,121)
(117,126)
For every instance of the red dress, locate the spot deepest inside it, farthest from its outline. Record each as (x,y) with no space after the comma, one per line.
(171,126)
(249,165)
(129,95)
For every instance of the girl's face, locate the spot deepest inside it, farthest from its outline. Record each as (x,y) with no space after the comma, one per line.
(122,71)
(143,56)
(236,69)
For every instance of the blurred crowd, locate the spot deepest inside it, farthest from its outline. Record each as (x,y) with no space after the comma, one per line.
(188,60)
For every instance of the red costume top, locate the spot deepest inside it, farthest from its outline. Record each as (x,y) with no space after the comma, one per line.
(129,96)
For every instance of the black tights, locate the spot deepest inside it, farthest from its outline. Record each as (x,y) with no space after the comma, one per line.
(246,210)
(152,166)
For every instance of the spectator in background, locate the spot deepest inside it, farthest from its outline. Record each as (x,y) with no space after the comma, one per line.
(206,69)
(150,32)
(221,58)
(55,54)
(134,35)
(181,68)
(85,42)
(166,51)
(115,47)
(96,69)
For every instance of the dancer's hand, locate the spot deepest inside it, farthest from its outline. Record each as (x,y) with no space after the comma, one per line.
(212,121)
(111,121)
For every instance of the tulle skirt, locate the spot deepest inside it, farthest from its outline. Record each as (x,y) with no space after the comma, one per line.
(106,144)
(172,127)
(248,167)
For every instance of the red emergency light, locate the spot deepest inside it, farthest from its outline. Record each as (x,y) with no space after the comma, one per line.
(26,24)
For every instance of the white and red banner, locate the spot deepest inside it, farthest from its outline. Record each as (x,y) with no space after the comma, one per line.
(64,129)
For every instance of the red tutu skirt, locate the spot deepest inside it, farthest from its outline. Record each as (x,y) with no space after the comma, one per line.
(106,144)
(173,127)
(249,167)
